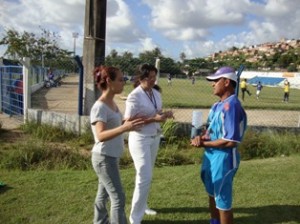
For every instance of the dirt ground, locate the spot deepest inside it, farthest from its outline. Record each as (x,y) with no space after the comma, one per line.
(9,123)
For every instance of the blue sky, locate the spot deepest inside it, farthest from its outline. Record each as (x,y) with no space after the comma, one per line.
(197,28)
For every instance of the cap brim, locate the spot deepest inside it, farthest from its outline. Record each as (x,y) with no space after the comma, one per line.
(213,77)
(231,76)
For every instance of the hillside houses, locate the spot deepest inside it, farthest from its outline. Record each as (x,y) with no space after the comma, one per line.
(255,52)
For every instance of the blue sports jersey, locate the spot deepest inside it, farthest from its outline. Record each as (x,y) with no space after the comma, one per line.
(227,120)
(259,87)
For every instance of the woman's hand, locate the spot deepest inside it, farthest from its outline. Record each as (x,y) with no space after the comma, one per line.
(169,114)
(133,124)
(161,116)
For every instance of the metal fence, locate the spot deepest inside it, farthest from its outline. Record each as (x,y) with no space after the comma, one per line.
(12,84)
(11,90)
(184,94)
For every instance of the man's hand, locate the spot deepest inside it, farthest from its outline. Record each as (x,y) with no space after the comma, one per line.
(197,141)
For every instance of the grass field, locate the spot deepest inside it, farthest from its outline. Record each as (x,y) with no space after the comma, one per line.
(266,191)
(182,94)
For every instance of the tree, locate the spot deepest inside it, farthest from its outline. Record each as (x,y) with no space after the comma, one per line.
(126,62)
(113,53)
(150,56)
(285,60)
(234,48)
(17,45)
(292,68)
(40,49)
(168,65)
(182,57)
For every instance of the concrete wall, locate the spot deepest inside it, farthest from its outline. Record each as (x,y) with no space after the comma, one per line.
(36,87)
(80,124)
(251,74)
(69,122)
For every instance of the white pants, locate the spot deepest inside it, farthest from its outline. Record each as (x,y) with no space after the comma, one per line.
(143,150)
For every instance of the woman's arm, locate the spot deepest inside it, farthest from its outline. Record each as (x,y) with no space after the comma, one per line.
(128,125)
(160,117)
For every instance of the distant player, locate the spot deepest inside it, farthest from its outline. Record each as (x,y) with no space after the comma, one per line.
(258,89)
(244,88)
(169,80)
(286,90)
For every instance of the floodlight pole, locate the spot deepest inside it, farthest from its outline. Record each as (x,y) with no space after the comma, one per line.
(75,36)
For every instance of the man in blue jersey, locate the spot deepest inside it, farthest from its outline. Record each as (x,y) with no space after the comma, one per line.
(226,125)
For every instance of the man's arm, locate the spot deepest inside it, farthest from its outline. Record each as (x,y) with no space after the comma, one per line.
(200,141)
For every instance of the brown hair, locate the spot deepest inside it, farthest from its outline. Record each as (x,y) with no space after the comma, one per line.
(101,73)
(143,72)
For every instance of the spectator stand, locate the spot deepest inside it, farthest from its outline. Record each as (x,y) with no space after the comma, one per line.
(272,79)
(266,81)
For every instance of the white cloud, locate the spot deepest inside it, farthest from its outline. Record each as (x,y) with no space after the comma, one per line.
(147,44)
(60,16)
(121,26)
(195,27)
(194,22)
(194,16)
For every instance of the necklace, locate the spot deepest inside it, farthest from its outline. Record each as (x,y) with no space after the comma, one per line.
(151,97)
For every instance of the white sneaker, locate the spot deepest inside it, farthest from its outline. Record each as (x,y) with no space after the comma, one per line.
(150,211)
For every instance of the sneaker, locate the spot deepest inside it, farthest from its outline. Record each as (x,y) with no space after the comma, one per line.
(150,211)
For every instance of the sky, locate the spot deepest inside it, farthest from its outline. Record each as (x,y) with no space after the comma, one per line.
(196,28)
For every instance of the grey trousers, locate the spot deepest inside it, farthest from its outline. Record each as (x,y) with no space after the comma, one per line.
(109,188)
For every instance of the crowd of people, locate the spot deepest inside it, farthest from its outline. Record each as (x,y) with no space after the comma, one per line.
(143,115)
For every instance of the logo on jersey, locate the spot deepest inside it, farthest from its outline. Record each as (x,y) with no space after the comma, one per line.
(226,106)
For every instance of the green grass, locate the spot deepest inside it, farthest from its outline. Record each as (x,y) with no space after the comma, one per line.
(265,191)
(33,150)
(182,94)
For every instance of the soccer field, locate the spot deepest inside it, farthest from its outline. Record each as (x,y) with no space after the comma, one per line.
(183,94)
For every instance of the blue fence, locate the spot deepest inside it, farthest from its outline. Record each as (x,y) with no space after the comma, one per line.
(11,86)
(11,89)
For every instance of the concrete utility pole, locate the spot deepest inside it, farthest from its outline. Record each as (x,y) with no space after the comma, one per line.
(93,48)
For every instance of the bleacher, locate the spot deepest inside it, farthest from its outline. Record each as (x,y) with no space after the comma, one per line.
(266,81)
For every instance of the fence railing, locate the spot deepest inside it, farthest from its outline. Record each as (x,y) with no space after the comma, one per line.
(183,95)
(11,90)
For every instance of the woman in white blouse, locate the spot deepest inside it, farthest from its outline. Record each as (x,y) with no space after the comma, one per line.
(145,102)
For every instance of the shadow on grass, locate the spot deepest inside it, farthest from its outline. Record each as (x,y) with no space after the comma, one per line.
(259,215)
(4,188)
(269,214)
(176,222)
(185,210)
